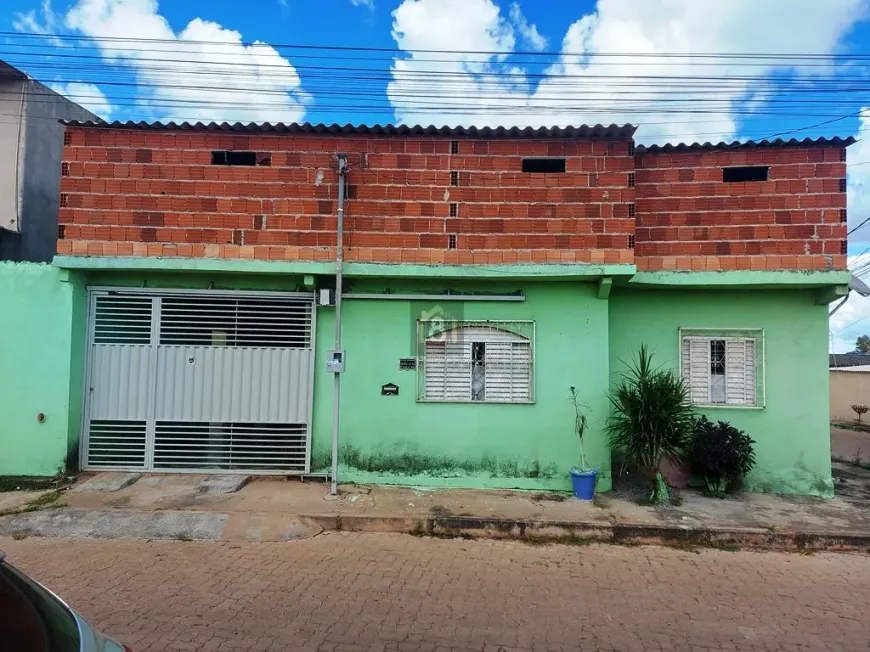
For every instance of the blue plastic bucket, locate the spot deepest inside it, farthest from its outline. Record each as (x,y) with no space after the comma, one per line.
(584,483)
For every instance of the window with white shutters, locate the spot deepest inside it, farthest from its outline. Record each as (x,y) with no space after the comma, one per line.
(722,369)
(475,362)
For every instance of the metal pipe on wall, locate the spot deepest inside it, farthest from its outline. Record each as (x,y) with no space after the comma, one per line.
(437,297)
(339,260)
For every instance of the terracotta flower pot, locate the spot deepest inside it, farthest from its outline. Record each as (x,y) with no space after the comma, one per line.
(675,472)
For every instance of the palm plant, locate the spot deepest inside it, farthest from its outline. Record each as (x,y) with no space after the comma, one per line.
(651,418)
(580,423)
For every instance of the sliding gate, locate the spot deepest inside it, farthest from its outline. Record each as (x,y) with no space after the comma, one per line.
(199,381)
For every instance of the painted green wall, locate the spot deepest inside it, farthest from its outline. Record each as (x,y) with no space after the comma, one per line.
(37,371)
(792,432)
(395,439)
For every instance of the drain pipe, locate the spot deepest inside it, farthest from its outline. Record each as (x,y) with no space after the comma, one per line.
(338,368)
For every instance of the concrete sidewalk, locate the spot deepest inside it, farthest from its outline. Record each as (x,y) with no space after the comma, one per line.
(269,509)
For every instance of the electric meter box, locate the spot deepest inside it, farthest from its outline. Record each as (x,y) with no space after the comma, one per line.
(335,361)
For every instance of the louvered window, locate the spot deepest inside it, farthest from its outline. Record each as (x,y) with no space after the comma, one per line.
(229,321)
(476,362)
(722,369)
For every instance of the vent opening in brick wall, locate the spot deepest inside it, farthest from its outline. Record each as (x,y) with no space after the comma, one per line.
(544,165)
(451,241)
(454,210)
(454,178)
(842,185)
(454,147)
(225,157)
(745,173)
(844,215)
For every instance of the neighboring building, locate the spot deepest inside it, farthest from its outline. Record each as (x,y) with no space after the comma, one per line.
(486,271)
(31,139)
(840,360)
(850,384)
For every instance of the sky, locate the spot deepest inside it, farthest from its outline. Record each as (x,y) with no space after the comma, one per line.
(476,62)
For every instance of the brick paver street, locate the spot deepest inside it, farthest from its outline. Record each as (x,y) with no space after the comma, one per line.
(358,592)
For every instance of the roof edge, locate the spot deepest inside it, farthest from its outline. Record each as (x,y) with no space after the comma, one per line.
(836,141)
(581,131)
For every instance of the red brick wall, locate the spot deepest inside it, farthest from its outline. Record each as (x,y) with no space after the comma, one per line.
(155,193)
(689,219)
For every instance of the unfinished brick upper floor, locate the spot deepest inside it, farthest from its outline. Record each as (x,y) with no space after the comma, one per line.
(690,217)
(448,200)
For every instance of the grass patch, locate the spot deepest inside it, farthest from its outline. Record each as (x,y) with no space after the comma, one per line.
(44,501)
(570,540)
(27,483)
(857,462)
(418,530)
(552,496)
(600,501)
(725,547)
(182,537)
(846,425)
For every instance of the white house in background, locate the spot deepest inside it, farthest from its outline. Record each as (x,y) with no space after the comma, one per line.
(850,385)
(31,143)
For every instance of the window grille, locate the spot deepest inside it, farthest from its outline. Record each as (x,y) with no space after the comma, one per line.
(722,368)
(231,446)
(475,361)
(122,320)
(226,321)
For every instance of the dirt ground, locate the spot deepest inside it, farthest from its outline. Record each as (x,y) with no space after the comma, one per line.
(847,445)
(397,593)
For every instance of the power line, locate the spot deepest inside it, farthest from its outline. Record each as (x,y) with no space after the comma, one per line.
(349,48)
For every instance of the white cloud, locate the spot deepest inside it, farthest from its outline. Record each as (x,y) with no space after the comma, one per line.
(88,96)
(368,4)
(529,33)
(29,23)
(859,181)
(852,319)
(617,26)
(216,79)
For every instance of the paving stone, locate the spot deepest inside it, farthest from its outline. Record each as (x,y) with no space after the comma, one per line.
(415,594)
(108,481)
(222,484)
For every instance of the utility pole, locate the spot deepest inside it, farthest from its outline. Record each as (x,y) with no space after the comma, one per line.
(339,260)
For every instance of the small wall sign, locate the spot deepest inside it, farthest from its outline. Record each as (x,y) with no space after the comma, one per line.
(390,389)
(407,364)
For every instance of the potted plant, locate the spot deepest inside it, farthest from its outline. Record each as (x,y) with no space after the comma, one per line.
(722,454)
(583,476)
(651,419)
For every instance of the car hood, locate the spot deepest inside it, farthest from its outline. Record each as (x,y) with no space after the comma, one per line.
(92,640)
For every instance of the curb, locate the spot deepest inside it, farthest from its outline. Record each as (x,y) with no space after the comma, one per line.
(547,531)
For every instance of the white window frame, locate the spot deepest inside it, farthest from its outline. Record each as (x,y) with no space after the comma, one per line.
(524,329)
(708,333)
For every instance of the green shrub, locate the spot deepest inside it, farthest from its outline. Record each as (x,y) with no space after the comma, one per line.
(721,453)
(651,417)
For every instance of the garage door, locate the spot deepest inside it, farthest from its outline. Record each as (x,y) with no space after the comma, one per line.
(199,381)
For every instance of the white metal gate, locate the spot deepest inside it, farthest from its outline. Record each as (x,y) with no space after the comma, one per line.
(199,381)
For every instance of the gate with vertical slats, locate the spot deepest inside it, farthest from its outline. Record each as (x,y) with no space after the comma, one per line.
(199,381)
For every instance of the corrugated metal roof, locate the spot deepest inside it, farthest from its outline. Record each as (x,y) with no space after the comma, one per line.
(848,359)
(779,142)
(580,131)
